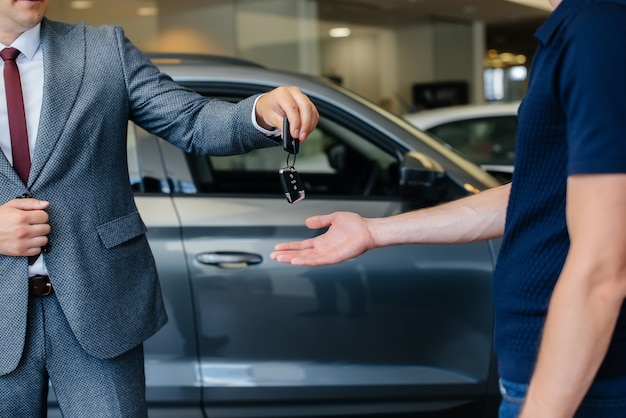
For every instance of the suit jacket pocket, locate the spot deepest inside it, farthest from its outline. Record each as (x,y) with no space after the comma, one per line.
(121,230)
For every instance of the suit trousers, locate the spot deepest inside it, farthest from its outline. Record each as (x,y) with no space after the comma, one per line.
(85,386)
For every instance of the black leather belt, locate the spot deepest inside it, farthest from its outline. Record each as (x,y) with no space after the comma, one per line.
(40,286)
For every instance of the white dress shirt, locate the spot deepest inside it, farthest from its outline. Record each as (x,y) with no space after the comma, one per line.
(30,64)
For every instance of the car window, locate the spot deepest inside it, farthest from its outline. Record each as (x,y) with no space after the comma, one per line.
(489,140)
(145,166)
(338,160)
(334,161)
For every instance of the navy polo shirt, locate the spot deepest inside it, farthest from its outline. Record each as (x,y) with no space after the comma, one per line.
(571,121)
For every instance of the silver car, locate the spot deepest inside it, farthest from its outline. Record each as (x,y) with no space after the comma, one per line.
(484,133)
(402,330)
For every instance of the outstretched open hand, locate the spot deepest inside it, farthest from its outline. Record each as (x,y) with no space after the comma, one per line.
(348,236)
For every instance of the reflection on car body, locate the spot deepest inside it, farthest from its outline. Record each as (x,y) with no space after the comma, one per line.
(403,329)
(484,133)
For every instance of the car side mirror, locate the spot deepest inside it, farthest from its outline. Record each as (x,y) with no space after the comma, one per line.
(421,181)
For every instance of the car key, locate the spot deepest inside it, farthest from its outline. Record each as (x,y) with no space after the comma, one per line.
(291,184)
(289,178)
(290,144)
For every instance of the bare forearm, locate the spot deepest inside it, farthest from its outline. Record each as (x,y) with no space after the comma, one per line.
(350,235)
(576,337)
(587,300)
(474,218)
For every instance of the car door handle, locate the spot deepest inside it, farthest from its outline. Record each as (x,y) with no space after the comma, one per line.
(229,259)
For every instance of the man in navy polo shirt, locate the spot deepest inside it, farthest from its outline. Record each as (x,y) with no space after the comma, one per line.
(560,279)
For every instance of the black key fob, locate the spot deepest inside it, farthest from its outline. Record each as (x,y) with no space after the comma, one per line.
(291,184)
(291,145)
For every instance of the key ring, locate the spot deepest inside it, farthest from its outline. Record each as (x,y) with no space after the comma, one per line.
(294,159)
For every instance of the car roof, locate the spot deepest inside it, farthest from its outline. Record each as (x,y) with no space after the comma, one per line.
(191,69)
(175,59)
(427,119)
(194,67)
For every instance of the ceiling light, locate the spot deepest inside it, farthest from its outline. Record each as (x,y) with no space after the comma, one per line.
(340,32)
(81,4)
(518,73)
(148,11)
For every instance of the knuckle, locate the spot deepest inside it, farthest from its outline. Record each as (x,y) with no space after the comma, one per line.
(20,217)
(20,232)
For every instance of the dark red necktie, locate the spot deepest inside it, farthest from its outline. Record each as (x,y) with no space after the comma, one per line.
(17,117)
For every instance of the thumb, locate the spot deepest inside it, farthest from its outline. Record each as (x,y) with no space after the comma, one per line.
(319,221)
(28,204)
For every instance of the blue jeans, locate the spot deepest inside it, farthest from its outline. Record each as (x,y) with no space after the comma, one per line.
(605,399)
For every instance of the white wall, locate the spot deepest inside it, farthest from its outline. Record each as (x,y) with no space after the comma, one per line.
(141,30)
(279,33)
(416,57)
(453,52)
(379,63)
(206,30)
(358,61)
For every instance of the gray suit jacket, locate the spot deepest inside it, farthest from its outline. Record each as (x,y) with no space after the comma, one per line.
(99,261)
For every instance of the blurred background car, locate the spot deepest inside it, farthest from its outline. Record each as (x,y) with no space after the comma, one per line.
(483,133)
(402,331)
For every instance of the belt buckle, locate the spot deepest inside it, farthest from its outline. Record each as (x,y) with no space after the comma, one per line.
(48,285)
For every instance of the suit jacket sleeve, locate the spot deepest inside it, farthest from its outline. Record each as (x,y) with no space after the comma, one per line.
(189,121)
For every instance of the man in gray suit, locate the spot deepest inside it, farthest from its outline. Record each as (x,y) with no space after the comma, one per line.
(79,313)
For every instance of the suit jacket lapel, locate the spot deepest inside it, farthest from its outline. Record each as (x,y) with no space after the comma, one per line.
(64,67)
(6,169)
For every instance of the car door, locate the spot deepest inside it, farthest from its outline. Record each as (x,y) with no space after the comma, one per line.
(405,327)
(171,356)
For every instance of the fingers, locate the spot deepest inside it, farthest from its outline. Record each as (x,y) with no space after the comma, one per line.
(23,227)
(28,204)
(31,212)
(294,246)
(295,252)
(303,115)
(317,251)
(314,222)
(291,102)
(33,245)
(307,255)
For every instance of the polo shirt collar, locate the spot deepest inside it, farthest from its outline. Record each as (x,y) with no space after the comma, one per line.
(558,16)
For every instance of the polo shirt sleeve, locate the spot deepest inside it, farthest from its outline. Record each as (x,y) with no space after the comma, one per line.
(592,88)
